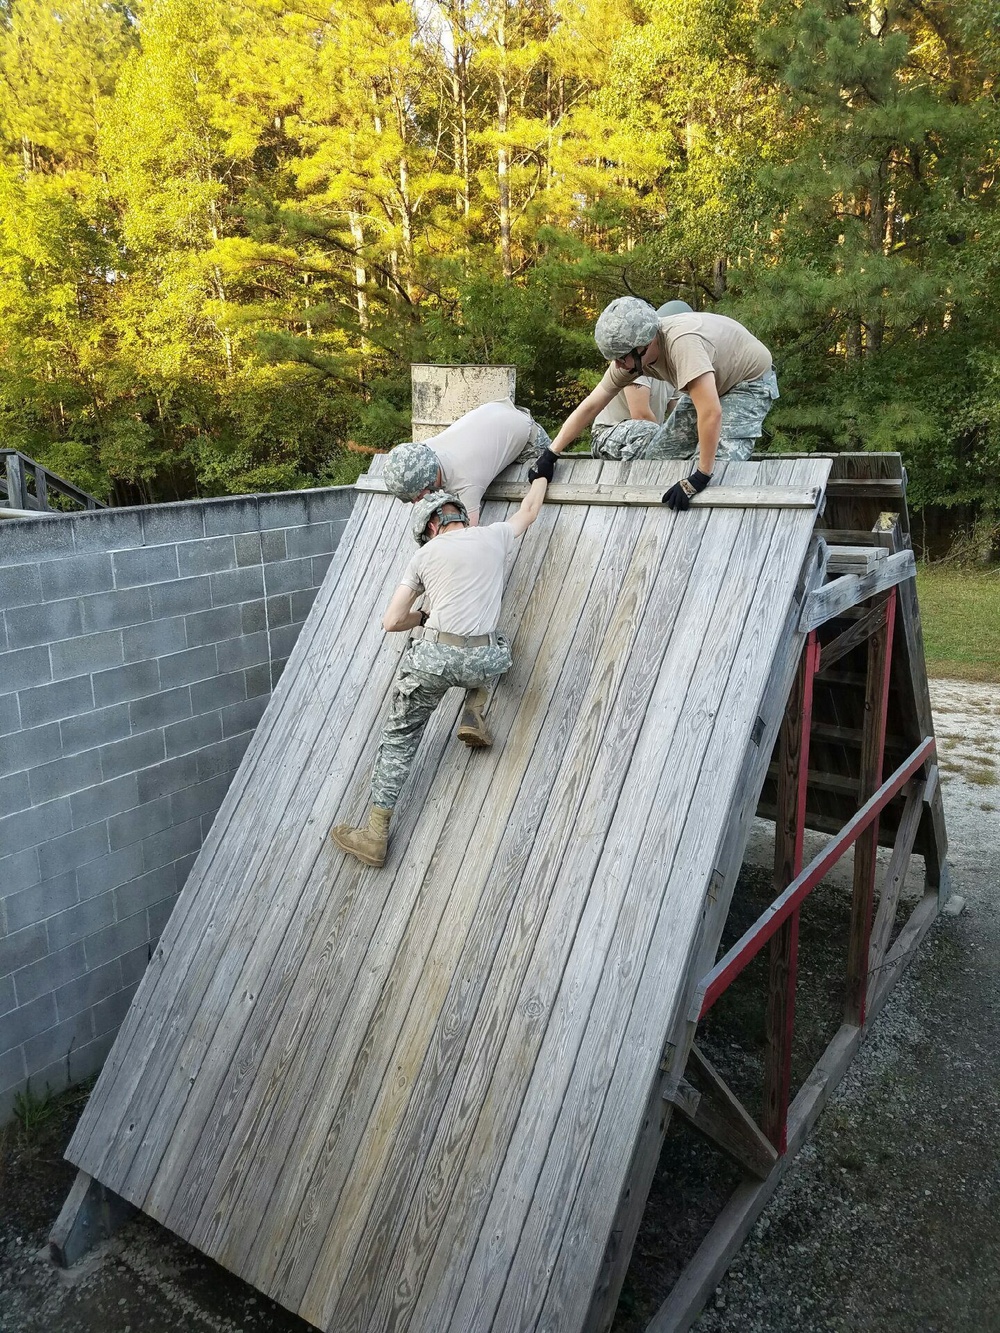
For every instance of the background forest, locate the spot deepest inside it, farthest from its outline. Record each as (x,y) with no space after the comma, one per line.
(228,226)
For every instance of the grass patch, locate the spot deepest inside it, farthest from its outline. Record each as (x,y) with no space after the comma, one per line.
(960,612)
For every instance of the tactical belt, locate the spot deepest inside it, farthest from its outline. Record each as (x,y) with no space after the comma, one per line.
(452,640)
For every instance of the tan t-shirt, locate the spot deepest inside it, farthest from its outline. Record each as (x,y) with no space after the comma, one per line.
(462,574)
(660,394)
(690,345)
(476,447)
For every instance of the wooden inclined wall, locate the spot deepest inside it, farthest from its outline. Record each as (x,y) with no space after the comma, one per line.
(409,1098)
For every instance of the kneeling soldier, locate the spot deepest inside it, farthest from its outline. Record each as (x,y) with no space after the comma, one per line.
(460,571)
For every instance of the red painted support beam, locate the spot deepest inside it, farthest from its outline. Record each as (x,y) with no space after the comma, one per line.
(753,940)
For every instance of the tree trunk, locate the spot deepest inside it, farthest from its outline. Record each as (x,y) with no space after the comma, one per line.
(503,165)
(360,275)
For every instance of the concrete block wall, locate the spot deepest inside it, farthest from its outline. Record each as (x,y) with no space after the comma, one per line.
(138,650)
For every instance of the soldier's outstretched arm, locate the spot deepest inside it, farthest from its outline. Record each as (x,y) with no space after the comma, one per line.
(531,507)
(581,417)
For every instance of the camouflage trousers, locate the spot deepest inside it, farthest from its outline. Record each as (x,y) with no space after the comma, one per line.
(427,671)
(538,439)
(744,408)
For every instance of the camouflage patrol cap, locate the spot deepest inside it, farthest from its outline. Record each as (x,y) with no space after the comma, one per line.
(429,507)
(409,469)
(625,325)
(673,308)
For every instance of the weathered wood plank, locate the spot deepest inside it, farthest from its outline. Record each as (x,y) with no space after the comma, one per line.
(849,589)
(715,497)
(862,628)
(722,1118)
(895,875)
(855,559)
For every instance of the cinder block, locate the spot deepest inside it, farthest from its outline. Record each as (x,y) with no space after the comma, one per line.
(27,539)
(279,610)
(20,585)
(315,539)
(288,576)
(203,798)
(12,1076)
(90,989)
(283,640)
(108,529)
(207,696)
(237,585)
(163,848)
(7,997)
(145,891)
(182,596)
(14,795)
(207,556)
(277,667)
(320,565)
(193,734)
(130,756)
(146,564)
(168,777)
(134,681)
(71,773)
(180,522)
(72,850)
(247,548)
(22,948)
(302,604)
(222,622)
(49,972)
(185,865)
(230,514)
(155,639)
(158,916)
(56,1043)
(46,622)
(27,1022)
(86,653)
(273,546)
(330,504)
(35,828)
(286,510)
(109,1014)
(25,668)
(97,727)
(127,933)
(193,664)
(110,872)
(49,703)
(3,633)
(44,900)
(244,716)
(134,825)
(115,610)
(104,799)
(254,616)
(249,650)
(19,871)
(76,577)
(10,714)
(224,758)
(159,710)
(258,681)
(80,922)
(134,964)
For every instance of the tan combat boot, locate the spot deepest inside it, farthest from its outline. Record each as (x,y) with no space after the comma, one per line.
(473,729)
(368,844)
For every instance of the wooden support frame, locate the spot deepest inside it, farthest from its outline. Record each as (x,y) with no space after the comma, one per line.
(90,1214)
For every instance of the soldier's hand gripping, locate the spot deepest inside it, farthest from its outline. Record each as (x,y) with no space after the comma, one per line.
(683,492)
(545,466)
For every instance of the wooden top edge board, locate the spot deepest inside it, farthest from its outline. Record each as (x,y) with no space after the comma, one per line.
(846,591)
(716,497)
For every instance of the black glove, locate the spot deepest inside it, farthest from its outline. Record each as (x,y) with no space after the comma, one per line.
(683,492)
(545,465)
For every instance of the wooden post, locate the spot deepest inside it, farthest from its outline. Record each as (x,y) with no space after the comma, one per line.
(793,781)
(872,757)
(17,491)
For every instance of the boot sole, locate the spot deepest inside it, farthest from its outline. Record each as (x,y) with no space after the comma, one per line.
(474,739)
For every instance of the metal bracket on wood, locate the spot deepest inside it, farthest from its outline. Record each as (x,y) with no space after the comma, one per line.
(90,1214)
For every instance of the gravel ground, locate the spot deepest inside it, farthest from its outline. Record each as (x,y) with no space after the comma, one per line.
(887,1222)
